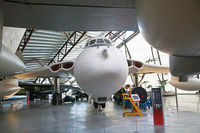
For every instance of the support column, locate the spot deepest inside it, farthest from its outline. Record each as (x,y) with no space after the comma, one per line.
(59,100)
(57,96)
(176,98)
(136,80)
(1,20)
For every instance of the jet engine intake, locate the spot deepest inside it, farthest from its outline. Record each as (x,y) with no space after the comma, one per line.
(67,65)
(134,66)
(64,69)
(55,67)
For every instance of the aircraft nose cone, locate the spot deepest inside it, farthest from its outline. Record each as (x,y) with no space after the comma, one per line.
(98,76)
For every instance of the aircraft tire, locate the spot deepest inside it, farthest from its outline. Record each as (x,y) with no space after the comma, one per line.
(103,105)
(95,105)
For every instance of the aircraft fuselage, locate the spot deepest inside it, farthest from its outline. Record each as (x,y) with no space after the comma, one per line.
(101,71)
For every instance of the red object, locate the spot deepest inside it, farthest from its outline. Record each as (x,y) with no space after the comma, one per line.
(137,64)
(27,99)
(158,116)
(127,86)
(157,106)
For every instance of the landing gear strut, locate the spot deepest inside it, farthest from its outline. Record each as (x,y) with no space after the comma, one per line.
(95,105)
(103,105)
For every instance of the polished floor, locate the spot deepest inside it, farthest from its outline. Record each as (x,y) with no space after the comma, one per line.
(81,117)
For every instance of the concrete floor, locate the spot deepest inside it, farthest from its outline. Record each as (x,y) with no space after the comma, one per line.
(81,117)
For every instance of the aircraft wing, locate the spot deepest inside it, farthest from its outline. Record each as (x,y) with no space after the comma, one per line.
(139,67)
(61,69)
(150,68)
(66,69)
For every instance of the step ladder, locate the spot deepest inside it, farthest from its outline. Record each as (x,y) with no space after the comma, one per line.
(135,110)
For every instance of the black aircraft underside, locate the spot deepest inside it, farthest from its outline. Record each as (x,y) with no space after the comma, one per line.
(74,15)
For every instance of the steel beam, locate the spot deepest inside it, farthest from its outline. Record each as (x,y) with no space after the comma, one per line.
(154,61)
(117,35)
(159,59)
(58,52)
(27,36)
(128,39)
(72,36)
(65,44)
(75,43)
(108,34)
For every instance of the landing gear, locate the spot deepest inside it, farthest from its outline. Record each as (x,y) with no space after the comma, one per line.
(54,98)
(103,105)
(96,105)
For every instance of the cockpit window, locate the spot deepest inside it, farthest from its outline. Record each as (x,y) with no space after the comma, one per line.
(87,44)
(92,42)
(100,41)
(107,41)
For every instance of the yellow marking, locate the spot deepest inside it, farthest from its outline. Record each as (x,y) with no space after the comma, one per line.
(135,110)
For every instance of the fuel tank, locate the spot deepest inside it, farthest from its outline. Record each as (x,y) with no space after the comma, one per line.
(171,26)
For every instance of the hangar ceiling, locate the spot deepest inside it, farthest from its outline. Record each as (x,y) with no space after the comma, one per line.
(43,47)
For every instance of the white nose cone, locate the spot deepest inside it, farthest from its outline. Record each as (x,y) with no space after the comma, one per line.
(101,71)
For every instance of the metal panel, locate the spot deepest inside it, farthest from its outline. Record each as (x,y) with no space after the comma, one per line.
(72,15)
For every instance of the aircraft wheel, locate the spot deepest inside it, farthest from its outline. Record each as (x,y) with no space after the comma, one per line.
(103,105)
(95,105)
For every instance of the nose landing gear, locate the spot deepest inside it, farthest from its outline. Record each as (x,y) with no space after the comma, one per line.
(96,105)
(102,105)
